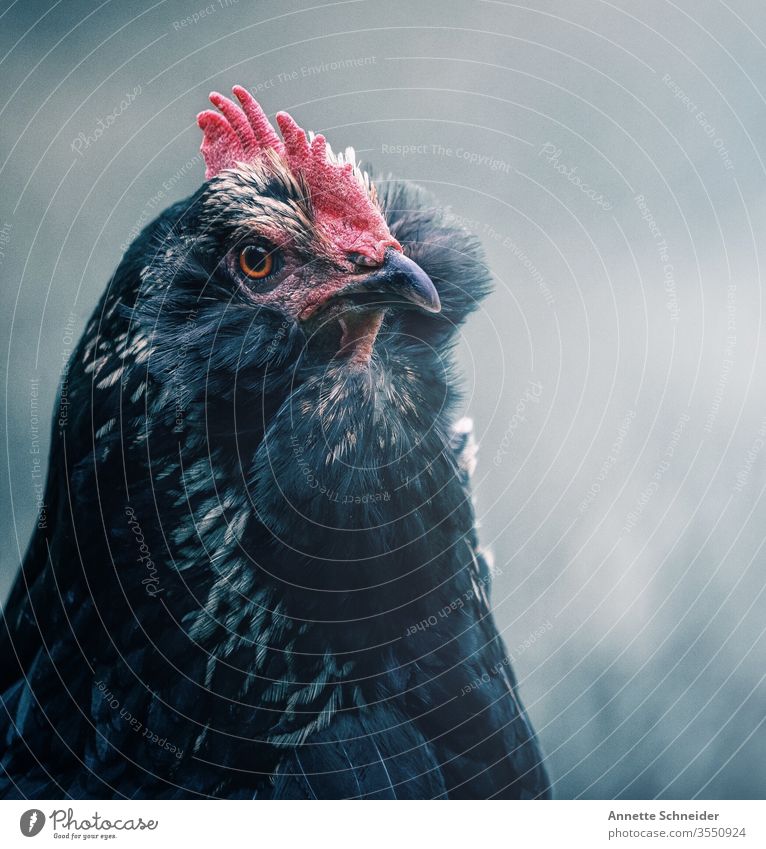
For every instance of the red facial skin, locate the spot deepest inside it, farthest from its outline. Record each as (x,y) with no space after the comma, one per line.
(306,290)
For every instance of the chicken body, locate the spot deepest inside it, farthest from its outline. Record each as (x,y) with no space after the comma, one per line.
(259,576)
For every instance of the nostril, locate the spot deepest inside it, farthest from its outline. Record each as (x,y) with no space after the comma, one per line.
(363,261)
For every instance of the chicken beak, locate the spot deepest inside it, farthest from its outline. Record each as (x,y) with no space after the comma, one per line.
(395,282)
(361,300)
(398,280)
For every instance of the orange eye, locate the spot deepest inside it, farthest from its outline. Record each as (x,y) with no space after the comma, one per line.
(257,261)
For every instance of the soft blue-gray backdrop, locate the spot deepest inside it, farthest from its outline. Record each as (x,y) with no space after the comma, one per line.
(611,158)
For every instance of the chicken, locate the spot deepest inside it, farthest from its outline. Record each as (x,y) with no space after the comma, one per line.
(259,575)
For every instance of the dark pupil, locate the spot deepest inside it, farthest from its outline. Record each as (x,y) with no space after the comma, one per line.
(255,257)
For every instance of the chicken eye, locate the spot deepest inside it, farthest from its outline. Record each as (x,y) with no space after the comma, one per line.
(257,261)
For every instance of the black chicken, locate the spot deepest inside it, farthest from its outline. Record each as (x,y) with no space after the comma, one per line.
(257,574)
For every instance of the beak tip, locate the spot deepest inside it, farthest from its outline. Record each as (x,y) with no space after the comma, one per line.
(428,296)
(413,282)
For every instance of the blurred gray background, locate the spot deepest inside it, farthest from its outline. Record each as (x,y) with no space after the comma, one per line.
(611,158)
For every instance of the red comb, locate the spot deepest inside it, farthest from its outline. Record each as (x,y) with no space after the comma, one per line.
(341,196)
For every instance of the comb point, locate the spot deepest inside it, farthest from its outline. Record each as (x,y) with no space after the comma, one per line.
(264,133)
